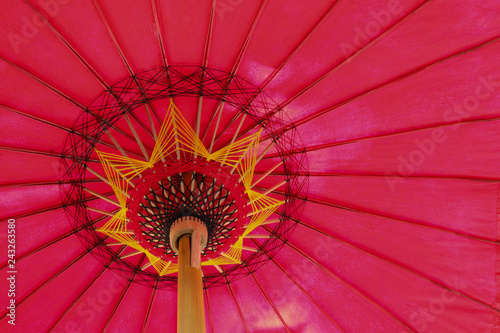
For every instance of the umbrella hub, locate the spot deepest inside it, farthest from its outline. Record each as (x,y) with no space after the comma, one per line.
(176,198)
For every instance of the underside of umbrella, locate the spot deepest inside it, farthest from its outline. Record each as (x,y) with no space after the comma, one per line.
(261,166)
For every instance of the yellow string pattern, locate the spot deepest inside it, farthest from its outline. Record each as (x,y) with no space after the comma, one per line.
(118,183)
(241,155)
(177,135)
(233,256)
(125,167)
(262,207)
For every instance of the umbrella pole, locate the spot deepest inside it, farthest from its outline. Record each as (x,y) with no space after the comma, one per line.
(190,305)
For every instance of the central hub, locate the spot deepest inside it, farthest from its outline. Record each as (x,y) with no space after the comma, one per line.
(193,190)
(187,225)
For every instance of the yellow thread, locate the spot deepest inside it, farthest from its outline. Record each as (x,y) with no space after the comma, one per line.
(174,136)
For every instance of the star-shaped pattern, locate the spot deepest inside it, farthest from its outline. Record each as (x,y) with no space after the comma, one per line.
(177,136)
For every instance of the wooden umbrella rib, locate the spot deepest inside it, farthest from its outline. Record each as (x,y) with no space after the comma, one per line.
(150,306)
(242,51)
(119,300)
(103,197)
(267,173)
(345,61)
(398,264)
(266,296)
(257,236)
(77,298)
(131,254)
(209,308)
(400,219)
(353,288)
(137,138)
(55,90)
(100,211)
(397,133)
(147,265)
(219,112)
(302,121)
(249,248)
(54,276)
(238,307)
(124,59)
(303,290)
(159,29)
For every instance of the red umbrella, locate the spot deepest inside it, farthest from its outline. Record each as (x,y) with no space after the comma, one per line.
(377,158)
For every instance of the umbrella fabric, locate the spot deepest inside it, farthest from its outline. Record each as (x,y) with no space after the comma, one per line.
(396,102)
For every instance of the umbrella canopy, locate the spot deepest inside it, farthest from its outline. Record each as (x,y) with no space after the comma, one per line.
(388,110)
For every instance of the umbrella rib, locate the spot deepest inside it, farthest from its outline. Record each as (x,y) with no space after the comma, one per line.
(299,286)
(64,41)
(48,280)
(236,64)
(233,296)
(46,183)
(351,99)
(396,133)
(209,308)
(77,298)
(104,196)
(159,30)
(400,219)
(55,125)
(290,55)
(250,32)
(38,152)
(85,63)
(58,92)
(46,209)
(276,311)
(113,37)
(51,242)
(81,59)
(400,265)
(219,112)
(205,62)
(298,46)
(137,137)
(375,175)
(153,294)
(37,118)
(349,285)
(345,61)
(122,295)
(45,84)
(127,65)
(404,76)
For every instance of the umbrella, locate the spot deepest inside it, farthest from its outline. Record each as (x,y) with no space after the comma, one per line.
(341,156)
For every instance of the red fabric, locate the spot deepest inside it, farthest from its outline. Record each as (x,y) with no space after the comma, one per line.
(397,103)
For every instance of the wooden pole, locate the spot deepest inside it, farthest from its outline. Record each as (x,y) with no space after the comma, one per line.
(190,302)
